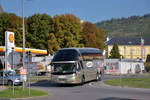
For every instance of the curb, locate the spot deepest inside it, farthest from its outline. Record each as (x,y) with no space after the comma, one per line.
(101,83)
(3,88)
(28,97)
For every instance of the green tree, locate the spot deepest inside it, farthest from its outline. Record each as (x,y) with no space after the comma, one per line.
(92,36)
(67,30)
(15,25)
(130,27)
(53,45)
(39,27)
(11,22)
(4,17)
(115,51)
(147,66)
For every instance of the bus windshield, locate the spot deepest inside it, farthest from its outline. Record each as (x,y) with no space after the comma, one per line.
(66,55)
(63,68)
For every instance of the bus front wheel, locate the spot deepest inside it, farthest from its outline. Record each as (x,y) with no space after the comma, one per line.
(82,80)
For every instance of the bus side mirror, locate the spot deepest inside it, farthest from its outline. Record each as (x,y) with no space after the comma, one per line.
(51,64)
(78,68)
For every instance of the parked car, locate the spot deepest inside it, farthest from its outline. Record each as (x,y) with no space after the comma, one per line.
(8,77)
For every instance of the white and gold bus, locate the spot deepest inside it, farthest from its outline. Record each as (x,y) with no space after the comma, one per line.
(77,65)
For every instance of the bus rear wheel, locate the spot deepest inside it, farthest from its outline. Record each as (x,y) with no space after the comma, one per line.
(98,77)
(82,80)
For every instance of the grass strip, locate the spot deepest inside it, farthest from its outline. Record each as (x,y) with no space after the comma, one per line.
(20,93)
(130,82)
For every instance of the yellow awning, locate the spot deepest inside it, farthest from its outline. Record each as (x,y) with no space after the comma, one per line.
(33,51)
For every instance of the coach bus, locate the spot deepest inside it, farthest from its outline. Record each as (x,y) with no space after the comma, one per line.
(77,65)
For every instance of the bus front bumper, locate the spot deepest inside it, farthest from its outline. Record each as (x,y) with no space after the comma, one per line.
(64,79)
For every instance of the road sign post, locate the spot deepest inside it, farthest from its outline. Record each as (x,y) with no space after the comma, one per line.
(13,71)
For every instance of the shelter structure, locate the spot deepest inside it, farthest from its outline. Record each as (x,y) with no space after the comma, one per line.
(123,66)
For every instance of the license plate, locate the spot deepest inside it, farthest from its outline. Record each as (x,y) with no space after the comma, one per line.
(62,76)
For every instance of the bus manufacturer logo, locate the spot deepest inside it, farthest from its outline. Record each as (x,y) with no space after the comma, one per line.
(89,64)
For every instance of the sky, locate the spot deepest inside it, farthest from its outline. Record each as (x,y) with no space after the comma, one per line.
(87,10)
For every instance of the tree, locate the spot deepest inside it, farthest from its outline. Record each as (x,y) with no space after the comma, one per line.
(11,22)
(115,52)
(67,30)
(53,45)
(15,25)
(147,66)
(4,17)
(39,27)
(92,36)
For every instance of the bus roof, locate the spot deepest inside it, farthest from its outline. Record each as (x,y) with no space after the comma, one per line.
(62,55)
(85,50)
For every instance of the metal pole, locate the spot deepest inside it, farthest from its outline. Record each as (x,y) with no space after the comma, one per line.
(13,68)
(141,50)
(5,61)
(29,71)
(6,49)
(141,47)
(29,79)
(3,75)
(120,73)
(23,37)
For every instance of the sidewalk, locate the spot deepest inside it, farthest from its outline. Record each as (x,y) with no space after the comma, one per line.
(2,88)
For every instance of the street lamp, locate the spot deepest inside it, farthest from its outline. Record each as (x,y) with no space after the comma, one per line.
(23,33)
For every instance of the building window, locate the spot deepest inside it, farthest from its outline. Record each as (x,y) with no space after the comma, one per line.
(124,51)
(131,53)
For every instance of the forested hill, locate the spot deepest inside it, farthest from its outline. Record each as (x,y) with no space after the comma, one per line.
(130,27)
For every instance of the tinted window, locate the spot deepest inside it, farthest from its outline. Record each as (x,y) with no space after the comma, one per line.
(64,67)
(66,55)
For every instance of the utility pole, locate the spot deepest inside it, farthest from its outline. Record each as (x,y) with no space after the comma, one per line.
(13,69)
(142,46)
(23,33)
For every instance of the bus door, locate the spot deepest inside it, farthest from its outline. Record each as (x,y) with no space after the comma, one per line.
(79,70)
(93,69)
(88,71)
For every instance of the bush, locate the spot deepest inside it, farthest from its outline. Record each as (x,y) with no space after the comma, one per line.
(147,66)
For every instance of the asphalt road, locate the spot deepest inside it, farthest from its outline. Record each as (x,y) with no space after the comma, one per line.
(90,91)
